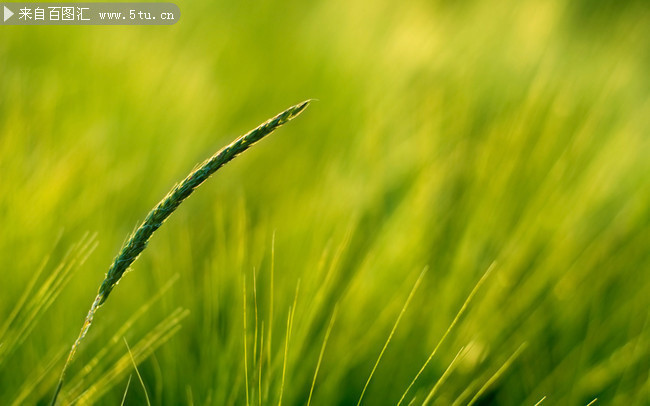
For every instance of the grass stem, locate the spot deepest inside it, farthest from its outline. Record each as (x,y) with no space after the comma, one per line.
(138,241)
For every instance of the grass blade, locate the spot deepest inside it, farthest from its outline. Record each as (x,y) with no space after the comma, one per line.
(126,390)
(443,378)
(135,366)
(451,327)
(497,374)
(322,351)
(392,332)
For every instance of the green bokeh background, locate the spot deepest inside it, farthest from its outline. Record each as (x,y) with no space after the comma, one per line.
(447,134)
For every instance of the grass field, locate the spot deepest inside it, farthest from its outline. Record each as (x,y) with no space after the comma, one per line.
(327,263)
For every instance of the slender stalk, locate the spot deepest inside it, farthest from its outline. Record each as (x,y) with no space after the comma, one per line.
(245,344)
(320,356)
(157,216)
(392,332)
(443,378)
(500,373)
(451,327)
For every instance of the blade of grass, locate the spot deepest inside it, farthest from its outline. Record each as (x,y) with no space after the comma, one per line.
(322,351)
(261,360)
(540,401)
(292,311)
(443,378)
(245,343)
(256,320)
(126,390)
(497,374)
(135,366)
(451,326)
(392,332)
(146,346)
(85,373)
(286,350)
(271,300)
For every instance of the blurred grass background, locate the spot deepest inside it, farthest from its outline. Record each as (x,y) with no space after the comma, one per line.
(448,135)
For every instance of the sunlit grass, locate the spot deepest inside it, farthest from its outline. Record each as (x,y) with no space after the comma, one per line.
(452,135)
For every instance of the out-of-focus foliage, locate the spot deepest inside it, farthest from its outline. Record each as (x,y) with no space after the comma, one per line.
(448,134)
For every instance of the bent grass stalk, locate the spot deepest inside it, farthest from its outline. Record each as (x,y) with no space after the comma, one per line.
(134,246)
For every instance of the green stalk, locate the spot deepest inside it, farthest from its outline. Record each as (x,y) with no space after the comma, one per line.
(157,216)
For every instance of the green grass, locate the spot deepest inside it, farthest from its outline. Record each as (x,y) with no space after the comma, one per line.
(449,135)
(138,241)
